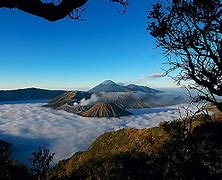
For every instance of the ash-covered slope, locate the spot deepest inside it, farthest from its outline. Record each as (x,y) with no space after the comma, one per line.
(77,109)
(143,89)
(109,86)
(105,110)
(125,100)
(68,98)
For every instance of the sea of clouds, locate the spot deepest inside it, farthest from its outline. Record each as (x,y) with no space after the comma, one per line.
(29,126)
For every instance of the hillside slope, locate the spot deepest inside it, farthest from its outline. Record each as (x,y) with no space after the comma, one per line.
(69,98)
(105,110)
(143,89)
(111,144)
(28,94)
(164,152)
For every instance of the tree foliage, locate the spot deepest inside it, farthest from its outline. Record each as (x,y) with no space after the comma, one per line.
(52,10)
(190,33)
(193,155)
(40,161)
(11,169)
(4,161)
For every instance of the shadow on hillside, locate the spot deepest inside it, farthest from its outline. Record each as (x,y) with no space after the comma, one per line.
(22,147)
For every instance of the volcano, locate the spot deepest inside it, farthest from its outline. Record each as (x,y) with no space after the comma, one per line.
(69,98)
(109,86)
(105,110)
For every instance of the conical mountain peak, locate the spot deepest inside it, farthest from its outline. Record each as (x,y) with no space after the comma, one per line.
(108,86)
(108,82)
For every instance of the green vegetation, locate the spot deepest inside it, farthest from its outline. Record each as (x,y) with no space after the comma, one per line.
(40,161)
(10,169)
(170,151)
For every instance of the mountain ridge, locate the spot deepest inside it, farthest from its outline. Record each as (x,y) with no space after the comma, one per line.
(28,94)
(144,89)
(108,92)
(110,86)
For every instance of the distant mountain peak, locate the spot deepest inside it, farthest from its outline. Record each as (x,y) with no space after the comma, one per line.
(143,89)
(108,86)
(108,82)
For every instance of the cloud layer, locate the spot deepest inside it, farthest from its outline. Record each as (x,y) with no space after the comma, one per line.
(28,126)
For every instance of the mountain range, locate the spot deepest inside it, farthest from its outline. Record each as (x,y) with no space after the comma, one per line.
(109,99)
(99,101)
(41,94)
(110,86)
(28,94)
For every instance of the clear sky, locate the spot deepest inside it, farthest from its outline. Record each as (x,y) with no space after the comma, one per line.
(71,54)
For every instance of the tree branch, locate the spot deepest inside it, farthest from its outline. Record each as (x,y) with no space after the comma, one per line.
(48,11)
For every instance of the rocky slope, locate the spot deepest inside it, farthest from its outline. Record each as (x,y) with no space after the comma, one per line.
(69,98)
(105,110)
(125,100)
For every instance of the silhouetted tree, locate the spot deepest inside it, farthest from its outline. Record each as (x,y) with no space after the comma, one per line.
(52,10)
(40,161)
(190,33)
(4,161)
(11,169)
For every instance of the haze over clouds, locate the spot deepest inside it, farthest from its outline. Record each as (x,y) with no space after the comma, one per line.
(28,126)
(144,79)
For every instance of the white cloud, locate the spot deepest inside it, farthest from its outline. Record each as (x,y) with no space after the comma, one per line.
(143,79)
(92,99)
(28,126)
(151,76)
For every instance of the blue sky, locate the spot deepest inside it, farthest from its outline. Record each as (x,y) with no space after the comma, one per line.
(71,54)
